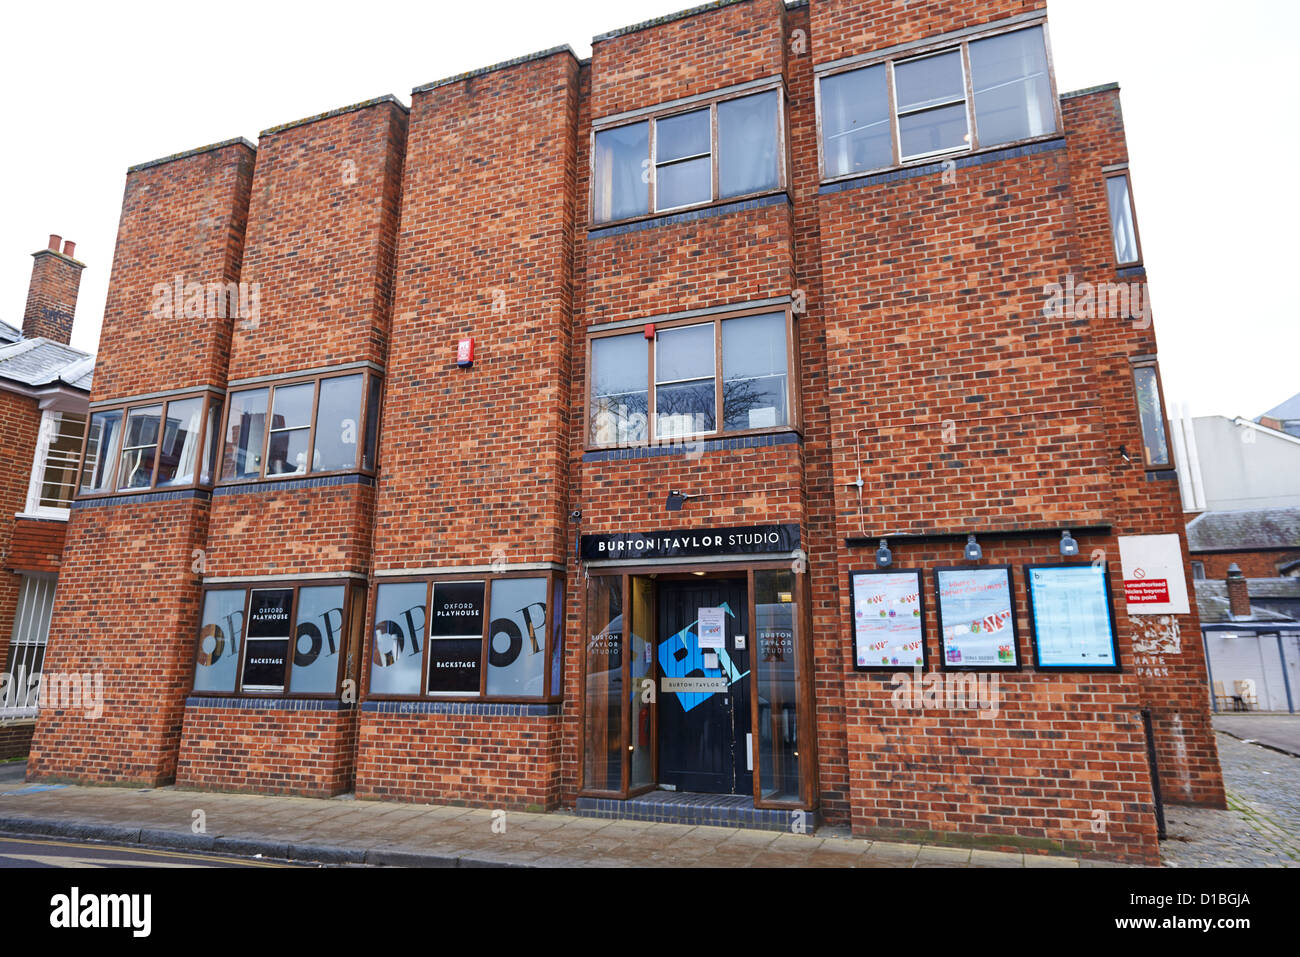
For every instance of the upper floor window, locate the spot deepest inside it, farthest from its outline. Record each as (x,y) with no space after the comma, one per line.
(152,445)
(983,92)
(314,425)
(723,149)
(1151,414)
(1123,222)
(54,472)
(691,378)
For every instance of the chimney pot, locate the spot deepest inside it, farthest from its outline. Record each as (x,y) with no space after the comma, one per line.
(69,248)
(55,239)
(1238,593)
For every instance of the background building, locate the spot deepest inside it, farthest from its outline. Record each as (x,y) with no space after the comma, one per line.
(524,448)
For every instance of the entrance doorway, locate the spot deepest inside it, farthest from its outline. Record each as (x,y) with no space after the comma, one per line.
(704,735)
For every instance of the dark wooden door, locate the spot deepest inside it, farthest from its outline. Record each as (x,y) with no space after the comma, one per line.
(704,736)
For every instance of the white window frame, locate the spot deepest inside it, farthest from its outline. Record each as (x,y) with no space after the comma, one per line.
(44,438)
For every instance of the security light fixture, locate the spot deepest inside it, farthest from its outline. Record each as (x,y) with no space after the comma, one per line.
(1069,547)
(973,551)
(884,557)
(676,500)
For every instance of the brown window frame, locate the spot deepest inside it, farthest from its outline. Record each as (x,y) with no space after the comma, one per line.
(210,398)
(553,578)
(923,51)
(793,388)
(1151,363)
(1118,172)
(270,385)
(709,103)
(354,591)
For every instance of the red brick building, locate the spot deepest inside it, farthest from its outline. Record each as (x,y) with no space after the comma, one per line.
(524,448)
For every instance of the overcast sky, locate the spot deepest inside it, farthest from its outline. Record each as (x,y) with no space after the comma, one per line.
(93,87)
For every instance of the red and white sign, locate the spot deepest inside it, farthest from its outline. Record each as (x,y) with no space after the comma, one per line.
(465,353)
(1154,580)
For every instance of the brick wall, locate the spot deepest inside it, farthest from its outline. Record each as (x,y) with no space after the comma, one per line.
(15,738)
(37,545)
(20,422)
(1253,564)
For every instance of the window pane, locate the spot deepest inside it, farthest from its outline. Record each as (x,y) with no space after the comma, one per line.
(286,452)
(338,421)
(602,717)
(1154,446)
(620,393)
(212,438)
(855,121)
(642,637)
(245,435)
(517,637)
(180,442)
(318,640)
(1121,219)
(139,447)
(621,181)
(372,422)
(266,650)
(1013,93)
(682,184)
(754,381)
(398,646)
(101,451)
(456,638)
(941,129)
(684,382)
(221,635)
(748,145)
(677,137)
(59,480)
(930,81)
(777,685)
(684,352)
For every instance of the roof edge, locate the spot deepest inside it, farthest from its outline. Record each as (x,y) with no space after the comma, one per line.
(666,18)
(503,65)
(1089,90)
(233,141)
(340,111)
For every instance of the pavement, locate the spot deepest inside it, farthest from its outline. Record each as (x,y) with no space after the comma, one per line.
(344,831)
(1278,731)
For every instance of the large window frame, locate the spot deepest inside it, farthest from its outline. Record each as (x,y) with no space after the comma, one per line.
(794,421)
(371,390)
(350,650)
(1148,362)
(652,117)
(211,399)
(53,428)
(890,60)
(552,690)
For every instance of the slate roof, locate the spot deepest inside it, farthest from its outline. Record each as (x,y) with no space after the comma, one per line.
(9,333)
(1290,409)
(37,363)
(1245,529)
(1212,601)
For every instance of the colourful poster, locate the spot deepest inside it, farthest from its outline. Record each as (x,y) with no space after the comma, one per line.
(888,620)
(977,617)
(1070,611)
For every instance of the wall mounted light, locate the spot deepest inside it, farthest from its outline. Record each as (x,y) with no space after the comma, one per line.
(973,551)
(884,557)
(676,500)
(1069,547)
(1123,453)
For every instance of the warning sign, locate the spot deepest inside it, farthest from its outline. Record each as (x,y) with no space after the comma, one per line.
(1155,582)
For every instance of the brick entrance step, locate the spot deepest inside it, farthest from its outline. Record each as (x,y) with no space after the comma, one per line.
(685,807)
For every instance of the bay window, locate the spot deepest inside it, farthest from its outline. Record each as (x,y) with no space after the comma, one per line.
(160,444)
(302,426)
(982,92)
(727,374)
(488,637)
(713,150)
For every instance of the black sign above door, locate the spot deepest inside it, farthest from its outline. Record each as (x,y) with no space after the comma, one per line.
(692,543)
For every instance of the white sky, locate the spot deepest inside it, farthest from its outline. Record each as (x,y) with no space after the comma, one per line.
(92,88)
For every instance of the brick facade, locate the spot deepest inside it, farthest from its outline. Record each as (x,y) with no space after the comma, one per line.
(926,365)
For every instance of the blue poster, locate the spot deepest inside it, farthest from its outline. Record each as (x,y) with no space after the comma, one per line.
(1071,616)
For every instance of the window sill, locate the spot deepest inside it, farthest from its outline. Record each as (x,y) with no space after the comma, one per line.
(52,515)
(960,157)
(728,441)
(683,213)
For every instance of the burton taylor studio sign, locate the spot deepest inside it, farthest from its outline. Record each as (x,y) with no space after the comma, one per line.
(692,543)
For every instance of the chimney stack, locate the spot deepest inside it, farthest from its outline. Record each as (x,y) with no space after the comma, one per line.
(1238,593)
(52,295)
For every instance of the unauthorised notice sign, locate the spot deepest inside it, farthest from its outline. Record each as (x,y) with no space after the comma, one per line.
(1144,591)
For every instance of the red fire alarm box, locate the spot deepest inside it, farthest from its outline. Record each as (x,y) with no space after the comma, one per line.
(465,353)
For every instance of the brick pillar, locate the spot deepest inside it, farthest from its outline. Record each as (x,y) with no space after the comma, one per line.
(52,295)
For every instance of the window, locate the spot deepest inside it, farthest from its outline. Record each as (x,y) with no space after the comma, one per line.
(19,696)
(1151,412)
(54,472)
(489,637)
(286,638)
(1123,223)
(984,92)
(302,426)
(157,445)
(720,150)
(1198,571)
(738,364)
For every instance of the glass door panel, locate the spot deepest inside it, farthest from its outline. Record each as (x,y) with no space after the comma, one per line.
(641,728)
(777,684)
(602,715)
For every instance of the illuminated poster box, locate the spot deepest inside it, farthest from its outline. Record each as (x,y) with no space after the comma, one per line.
(1071,617)
(977,618)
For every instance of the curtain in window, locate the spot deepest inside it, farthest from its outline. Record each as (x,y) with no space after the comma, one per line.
(748,141)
